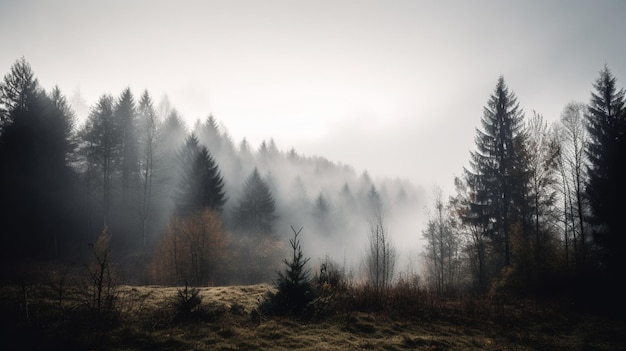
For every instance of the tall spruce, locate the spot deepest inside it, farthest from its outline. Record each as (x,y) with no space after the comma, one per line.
(126,116)
(494,168)
(18,89)
(606,190)
(36,180)
(200,184)
(101,147)
(148,137)
(256,211)
(171,138)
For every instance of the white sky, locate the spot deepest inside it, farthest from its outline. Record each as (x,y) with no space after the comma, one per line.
(394,87)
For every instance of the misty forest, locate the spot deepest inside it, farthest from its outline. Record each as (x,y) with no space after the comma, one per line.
(125,224)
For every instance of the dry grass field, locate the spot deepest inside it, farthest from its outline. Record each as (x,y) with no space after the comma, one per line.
(226,320)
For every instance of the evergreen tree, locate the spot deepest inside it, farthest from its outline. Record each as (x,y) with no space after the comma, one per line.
(494,168)
(125,115)
(201,184)
(322,215)
(209,134)
(374,202)
(17,90)
(148,129)
(255,213)
(172,133)
(606,190)
(294,290)
(300,203)
(321,209)
(171,138)
(36,181)
(102,147)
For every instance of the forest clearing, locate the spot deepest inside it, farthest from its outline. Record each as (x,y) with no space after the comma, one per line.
(226,320)
(322,175)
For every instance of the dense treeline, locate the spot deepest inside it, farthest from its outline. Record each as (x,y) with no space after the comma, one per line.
(175,202)
(537,211)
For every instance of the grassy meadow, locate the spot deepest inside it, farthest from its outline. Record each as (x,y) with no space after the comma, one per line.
(148,318)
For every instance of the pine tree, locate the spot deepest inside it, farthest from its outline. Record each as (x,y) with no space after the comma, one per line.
(606,190)
(494,168)
(209,134)
(148,129)
(125,115)
(374,202)
(255,213)
(102,147)
(201,184)
(171,138)
(294,290)
(323,217)
(321,209)
(18,89)
(36,181)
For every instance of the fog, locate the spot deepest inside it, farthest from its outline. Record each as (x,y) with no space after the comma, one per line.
(331,201)
(325,98)
(354,82)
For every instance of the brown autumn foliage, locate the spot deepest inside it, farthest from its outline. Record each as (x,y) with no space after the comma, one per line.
(193,251)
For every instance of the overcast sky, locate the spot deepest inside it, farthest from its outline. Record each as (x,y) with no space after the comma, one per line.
(394,87)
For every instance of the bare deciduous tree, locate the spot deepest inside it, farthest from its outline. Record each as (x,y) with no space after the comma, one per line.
(572,161)
(193,250)
(381,256)
(442,247)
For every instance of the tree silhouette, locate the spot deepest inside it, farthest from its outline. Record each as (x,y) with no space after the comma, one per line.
(192,251)
(606,190)
(102,145)
(36,181)
(18,90)
(374,202)
(148,145)
(442,247)
(201,184)
(381,255)
(535,188)
(493,167)
(572,135)
(125,115)
(255,213)
(171,136)
(294,291)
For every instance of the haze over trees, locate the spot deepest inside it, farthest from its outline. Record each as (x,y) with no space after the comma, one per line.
(530,209)
(538,202)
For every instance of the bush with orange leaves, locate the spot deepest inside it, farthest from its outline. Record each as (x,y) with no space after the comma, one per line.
(193,251)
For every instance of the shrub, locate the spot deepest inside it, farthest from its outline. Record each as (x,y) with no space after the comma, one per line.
(330,282)
(100,291)
(187,303)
